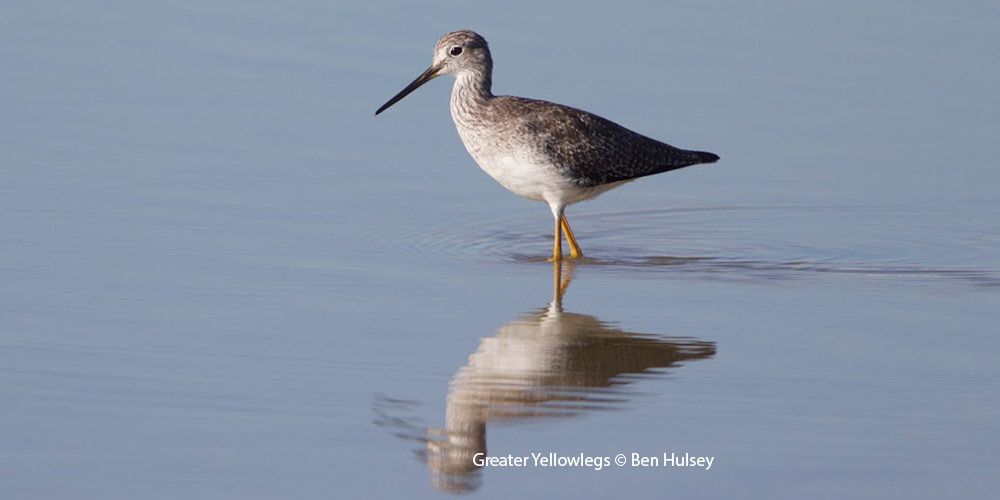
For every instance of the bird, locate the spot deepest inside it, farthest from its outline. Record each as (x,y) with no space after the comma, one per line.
(538,149)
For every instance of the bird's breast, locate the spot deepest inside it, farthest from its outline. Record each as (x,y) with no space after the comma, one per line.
(512,164)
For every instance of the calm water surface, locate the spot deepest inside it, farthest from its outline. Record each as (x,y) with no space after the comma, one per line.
(221,277)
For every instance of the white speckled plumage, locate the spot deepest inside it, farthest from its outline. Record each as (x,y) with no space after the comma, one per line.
(537,149)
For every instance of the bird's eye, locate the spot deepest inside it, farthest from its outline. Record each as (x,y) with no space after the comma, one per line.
(456,50)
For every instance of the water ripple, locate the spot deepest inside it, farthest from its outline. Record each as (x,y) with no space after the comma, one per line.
(757,243)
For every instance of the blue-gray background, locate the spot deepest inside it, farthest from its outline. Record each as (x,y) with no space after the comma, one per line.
(219,272)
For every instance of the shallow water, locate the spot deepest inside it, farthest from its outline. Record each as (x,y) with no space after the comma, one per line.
(222,277)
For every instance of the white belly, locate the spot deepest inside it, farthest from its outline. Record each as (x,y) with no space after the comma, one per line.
(527,176)
(537,182)
(522,176)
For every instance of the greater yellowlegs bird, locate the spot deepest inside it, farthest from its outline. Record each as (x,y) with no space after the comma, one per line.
(537,149)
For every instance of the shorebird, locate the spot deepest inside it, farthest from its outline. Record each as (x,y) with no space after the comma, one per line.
(538,149)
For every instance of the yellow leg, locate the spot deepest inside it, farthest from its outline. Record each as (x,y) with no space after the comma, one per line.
(575,252)
(557,241)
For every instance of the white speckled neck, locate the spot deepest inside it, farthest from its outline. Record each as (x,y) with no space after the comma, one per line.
(471,92)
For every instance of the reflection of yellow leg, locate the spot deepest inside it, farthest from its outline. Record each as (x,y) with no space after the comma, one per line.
(574,249)
(557,289)
(569,277)
(561,282)
(557,241)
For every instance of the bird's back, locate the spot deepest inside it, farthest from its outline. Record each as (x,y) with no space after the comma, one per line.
(587,148)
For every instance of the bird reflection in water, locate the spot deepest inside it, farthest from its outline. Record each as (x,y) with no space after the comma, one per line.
(546,364)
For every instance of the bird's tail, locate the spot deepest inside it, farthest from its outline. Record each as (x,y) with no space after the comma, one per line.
(706,157)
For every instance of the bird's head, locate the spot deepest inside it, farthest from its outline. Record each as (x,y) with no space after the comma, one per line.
(455,53)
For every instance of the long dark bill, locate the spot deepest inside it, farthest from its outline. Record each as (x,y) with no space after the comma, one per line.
(424,77)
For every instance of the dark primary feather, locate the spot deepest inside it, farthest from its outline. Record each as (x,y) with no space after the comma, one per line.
(590,149)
